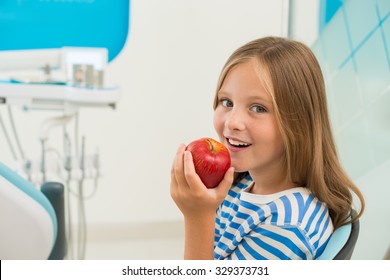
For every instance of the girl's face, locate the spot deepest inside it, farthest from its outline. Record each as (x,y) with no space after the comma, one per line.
(245,122)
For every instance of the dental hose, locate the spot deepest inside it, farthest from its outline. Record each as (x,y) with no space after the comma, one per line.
(82,214)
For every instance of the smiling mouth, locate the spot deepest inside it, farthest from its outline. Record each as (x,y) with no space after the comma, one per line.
(237,144)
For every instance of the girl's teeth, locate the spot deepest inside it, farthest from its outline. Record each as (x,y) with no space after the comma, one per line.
(237,143)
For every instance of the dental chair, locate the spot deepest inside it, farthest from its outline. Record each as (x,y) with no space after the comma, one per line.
(59,69)
(342,242)
(31,227)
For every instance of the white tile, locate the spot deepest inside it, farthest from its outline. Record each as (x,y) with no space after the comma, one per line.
(347,95)
(383,7)
(355,148)
(378,120)
(336,45)
(358,28)
(372,67)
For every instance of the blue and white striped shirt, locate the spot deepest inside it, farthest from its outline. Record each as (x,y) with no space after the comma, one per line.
(291,224)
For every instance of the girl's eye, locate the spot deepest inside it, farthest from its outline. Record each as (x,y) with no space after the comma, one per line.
(258,109)
(226,103)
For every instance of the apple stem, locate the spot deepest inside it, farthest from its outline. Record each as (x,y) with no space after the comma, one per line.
(211,146)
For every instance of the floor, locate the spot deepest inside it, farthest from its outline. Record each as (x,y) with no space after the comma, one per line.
(153,249)
(153,241)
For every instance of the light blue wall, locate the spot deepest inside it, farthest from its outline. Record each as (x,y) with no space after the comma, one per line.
(354,52)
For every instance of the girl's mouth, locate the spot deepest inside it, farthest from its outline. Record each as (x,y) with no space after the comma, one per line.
(235,145)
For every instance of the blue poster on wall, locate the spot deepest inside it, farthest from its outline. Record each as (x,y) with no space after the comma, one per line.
(46,24)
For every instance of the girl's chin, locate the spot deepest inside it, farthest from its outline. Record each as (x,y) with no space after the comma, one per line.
(239,169)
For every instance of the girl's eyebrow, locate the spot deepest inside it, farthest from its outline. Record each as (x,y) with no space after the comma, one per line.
(259,99)
(252,98)
(219,93)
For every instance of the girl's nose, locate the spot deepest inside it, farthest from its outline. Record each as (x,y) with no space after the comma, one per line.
(235,121)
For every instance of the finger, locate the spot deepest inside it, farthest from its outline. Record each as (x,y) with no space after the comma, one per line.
(190,174)
(178,151)
(227,181)
(175,172)
(173,185)
(173,167)
(178,166)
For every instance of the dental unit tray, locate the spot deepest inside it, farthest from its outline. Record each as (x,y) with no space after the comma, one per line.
(57,90)
(56,39)
(56,97)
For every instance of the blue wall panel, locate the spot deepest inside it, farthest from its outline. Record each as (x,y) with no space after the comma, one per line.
(40,24)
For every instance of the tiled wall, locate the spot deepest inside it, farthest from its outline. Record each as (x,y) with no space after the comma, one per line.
(354,52)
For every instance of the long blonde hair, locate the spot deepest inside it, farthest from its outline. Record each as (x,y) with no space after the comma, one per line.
(293,78)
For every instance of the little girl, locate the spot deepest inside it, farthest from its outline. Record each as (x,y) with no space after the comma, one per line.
(286,191)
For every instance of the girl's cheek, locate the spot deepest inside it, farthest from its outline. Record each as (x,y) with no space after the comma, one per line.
(218,121)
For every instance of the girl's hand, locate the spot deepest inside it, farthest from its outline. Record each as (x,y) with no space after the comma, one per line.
(197,203)
(189,193)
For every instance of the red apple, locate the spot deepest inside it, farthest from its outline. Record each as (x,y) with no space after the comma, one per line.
(211,160)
